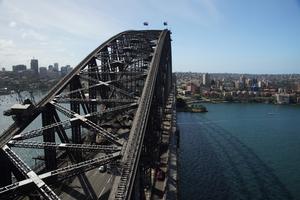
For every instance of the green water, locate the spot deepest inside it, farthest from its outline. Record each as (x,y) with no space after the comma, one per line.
(240,151)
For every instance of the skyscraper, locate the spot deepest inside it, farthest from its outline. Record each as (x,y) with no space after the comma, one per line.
(55,68)
(34,65)
(50,68)
(206,79)
(243,81)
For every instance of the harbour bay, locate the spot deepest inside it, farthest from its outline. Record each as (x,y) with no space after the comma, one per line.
(240,151)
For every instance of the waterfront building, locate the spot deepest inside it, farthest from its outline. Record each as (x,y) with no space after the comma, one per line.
(254,81)
(221,87)
(238,85)
(282,98)
(248,83)
(34,65)
(218,83)
(243,81)
(280,90)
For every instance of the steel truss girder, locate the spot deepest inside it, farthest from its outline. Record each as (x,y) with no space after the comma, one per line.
(129,67)
(112,87)
(67,172)
(127,73)
(122,80)
(97,100)
(38,132)
(107,135)
(63,146)
(134,77)
(114,109)
(130,53)
(41,186)
(66,94)
(67,123)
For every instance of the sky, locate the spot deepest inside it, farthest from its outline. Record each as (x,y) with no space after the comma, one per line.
(233,36)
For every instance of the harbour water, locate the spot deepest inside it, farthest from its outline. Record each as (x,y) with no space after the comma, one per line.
(6,101)
(240,151)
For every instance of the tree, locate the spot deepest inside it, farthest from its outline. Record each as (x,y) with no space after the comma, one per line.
(180,103)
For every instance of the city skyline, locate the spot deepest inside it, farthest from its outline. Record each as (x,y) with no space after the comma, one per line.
(54,64)
(208,36)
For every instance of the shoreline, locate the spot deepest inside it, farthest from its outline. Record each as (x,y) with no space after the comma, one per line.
(241,102)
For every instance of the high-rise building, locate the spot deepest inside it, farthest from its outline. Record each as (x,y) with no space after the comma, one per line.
(34,65)
(65,70)
(43,71)
(18,68)
(50,68)
(55,68)
(243,81)
(206,79)
(238,85)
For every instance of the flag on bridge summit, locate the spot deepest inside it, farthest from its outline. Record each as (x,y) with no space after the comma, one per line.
(146,24)
(165,23)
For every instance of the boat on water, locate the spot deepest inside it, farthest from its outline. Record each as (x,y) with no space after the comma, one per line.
(197,108)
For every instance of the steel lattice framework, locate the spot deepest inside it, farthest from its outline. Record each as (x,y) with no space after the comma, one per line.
(116,95)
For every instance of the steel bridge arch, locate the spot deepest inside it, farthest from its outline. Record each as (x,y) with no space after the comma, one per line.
(130,76)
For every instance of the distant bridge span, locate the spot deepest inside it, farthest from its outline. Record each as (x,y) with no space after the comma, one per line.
(108,110)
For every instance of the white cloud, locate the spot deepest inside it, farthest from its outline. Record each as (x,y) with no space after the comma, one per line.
(61,50)
(65,17)
(51,31)
(67,30)
(6,44)
(44,43)
(12,24)
(31,34)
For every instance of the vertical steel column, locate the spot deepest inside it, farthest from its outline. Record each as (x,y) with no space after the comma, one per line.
(49,136)
(60,129)
(111,67)
(5,170)
(92,91)
(76,127)
(94,74)
(105,76)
